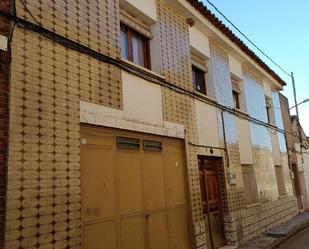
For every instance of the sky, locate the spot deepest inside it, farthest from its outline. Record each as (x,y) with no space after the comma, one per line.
(281,29)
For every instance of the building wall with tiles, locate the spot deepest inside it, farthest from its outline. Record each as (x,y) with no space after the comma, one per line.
(48,81)
(177,107)
(243,221)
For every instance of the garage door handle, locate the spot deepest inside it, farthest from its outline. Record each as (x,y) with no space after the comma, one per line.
(147,216)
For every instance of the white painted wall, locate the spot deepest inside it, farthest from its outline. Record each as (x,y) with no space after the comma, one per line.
(235,67)
(142,100)
(145,9)
(199,41)
(275,148)
(306,176)
(207,126)
(244,141)
(267,89)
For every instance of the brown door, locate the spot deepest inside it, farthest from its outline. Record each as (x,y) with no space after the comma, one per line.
(210,192)
(133,191)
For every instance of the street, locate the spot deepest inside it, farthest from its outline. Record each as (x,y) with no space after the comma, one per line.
(299,241)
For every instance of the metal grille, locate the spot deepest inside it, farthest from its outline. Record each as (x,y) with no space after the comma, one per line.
(280,180)
(152,145)
(128,143)
(250,186)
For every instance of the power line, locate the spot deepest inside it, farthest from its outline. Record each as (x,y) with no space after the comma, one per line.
(248,39)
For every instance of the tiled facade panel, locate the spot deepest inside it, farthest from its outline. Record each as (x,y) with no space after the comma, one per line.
(256,108)
(222,89)
(93,23)
(179,108)
(279,121)
(243,222)
(175,46)
(48,80)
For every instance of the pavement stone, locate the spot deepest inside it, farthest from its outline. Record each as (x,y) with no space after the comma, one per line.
(276,236)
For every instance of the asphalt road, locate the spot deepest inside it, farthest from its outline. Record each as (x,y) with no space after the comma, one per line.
(299,241)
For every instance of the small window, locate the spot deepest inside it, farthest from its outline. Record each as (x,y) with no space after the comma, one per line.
(280,180)
(134,46)
(236,99)
(250,185)
(268,110)
(199,80)
(152,145)
(128,143)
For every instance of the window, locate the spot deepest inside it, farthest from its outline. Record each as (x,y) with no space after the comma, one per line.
(236,92)
(250,185)
(236,99)
(269,111)
(280,180)
(199,80)
(134,46)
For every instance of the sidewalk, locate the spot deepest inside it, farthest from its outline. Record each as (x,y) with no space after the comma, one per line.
(276,236)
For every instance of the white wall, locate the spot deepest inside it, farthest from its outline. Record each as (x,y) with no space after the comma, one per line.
(244,141)
(199,41)
(145,9)
(142,100)
(235,67)
(207,126)
(275,148)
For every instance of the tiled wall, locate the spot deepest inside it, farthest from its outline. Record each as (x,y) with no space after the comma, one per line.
(47,83)
(94,24)
(179,108)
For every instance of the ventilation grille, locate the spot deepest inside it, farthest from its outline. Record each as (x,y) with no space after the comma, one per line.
(152,145)
(128,143)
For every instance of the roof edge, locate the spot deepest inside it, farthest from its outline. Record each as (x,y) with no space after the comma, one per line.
(199,6)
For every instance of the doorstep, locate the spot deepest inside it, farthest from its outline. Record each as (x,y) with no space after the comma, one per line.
(276,236)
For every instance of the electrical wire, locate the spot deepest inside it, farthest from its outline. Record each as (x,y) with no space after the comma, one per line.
(248,39)
(30,13)
(68,43)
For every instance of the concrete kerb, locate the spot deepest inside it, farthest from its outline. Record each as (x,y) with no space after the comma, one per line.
(278,235)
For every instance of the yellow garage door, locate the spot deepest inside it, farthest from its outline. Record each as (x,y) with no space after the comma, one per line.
(133,191)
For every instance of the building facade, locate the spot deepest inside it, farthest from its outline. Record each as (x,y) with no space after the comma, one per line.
(138,124)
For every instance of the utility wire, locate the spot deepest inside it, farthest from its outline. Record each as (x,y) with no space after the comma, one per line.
(248,39)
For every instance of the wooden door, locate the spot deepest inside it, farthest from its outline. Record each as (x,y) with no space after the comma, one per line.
(211,201)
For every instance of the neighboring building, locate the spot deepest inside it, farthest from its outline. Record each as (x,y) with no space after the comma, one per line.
(138,124)
(301,150)
(297,147)
(291,140)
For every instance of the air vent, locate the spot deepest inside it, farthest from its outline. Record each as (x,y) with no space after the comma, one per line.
(152,145)
(128,143)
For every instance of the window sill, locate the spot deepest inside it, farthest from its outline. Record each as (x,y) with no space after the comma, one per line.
(253,205)
(205,97)
(282,196)
(136,66)
(241,112)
